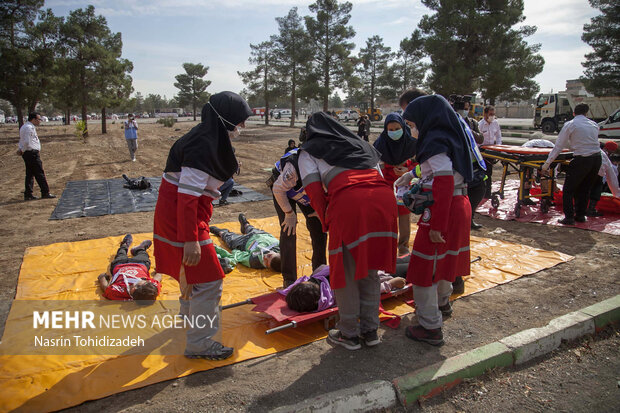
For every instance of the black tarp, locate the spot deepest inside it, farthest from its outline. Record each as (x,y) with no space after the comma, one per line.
(107,196)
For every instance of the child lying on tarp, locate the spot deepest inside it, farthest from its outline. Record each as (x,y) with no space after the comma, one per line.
(253,248)
(313,293)
(130,279)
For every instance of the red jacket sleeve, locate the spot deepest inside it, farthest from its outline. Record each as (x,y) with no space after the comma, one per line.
(318,200)
(443,190)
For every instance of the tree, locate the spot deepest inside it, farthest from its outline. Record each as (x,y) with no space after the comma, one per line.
(329,33)
(87,41)
(472,45)
(139,102)
(293,54)
(16,54)
(408,71)
(335,101)
(262,81)
(192,87)
(374,60)
(152,102)
(602,74)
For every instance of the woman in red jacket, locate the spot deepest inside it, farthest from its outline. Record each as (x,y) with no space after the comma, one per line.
(198,164)
(441,246)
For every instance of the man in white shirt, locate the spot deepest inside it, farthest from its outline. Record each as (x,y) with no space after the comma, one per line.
(489,127)
(580,135)
(29,147)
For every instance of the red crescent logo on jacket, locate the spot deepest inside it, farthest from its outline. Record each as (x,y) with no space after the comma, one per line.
(426,215)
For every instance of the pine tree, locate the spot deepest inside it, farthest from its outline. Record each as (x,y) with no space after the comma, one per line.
(262,81)
(473,45)
(88,45)
(602,74)
(192,87)
(374,60)
(329,33)
(408,71)
(293,54)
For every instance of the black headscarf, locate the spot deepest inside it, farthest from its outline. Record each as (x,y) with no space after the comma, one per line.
(395,152)
(440,131)
(207,146)
(331,141)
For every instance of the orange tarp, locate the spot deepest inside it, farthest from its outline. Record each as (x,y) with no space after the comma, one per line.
(68,271)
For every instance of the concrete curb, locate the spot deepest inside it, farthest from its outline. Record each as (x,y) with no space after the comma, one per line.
(432,380)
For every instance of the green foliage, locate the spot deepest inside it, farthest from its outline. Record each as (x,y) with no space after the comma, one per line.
(167,122)
(192,87)
(408,70)
(602,66)
(262,80)
(329,31)
(373,67)
(293,53)
(477,44)
(81,130)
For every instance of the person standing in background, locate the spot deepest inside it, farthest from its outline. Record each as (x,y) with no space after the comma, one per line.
(489,127)
(131,135)
(29,147)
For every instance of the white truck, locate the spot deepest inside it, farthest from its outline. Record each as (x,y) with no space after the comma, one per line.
(552,110)
(610,127)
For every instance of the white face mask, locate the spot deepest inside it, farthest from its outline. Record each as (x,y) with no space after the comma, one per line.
(491,119)
(234,133)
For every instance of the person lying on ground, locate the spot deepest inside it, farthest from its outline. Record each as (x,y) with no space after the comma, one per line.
(313,293)
(253,248)
(130,279)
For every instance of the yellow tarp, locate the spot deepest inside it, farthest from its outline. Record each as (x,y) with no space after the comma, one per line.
(67,271)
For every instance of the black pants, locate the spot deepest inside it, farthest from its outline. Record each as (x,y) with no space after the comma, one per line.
(580,177)
(288,243)
(239,241)
(34,170)
(597,189)
(140,257)
(489,181)
(475,194)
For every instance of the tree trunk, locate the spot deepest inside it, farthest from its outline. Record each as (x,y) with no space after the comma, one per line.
(266,113)
(194,107)
(293,98)
(103,125)
(20,115)
(84,96)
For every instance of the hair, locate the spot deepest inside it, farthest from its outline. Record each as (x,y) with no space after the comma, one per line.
(304,297)
(276,263)
(32,115)
(145,292)
(408,95)
(291,141)
(581,109)
(488,108)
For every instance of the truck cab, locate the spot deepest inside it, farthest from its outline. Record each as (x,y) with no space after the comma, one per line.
(552,111)
(610,128)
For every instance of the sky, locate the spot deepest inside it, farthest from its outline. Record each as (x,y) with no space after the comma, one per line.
(160,35)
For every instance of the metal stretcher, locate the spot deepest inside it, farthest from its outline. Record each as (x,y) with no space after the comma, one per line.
(523,161)
(274,305)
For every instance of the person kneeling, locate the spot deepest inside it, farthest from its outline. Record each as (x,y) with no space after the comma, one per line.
(130,279)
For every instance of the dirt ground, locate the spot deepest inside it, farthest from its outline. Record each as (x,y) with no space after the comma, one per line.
(289,377)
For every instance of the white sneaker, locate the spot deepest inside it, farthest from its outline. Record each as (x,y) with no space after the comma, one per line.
(133,159)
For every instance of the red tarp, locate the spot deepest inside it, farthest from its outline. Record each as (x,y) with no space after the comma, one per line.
(610,223)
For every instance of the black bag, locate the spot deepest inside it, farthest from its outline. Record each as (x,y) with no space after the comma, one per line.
(137,183)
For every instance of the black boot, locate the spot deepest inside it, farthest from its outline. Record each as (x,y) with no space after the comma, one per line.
(244,222)
(215,230)
(458,286)
(591,211)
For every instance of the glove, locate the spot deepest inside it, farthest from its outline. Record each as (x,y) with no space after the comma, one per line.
(290,222)
(404,180)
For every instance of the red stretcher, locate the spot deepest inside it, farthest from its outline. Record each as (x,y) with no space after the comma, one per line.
(524,161)
(274,305)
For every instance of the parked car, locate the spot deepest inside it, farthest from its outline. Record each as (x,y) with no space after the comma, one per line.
(281,113)
(347,115)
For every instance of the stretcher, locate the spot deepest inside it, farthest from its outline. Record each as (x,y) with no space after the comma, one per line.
(523,161)
(274,305)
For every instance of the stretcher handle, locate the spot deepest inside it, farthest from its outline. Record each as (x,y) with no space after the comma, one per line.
(292,324)
(248,301)
(478,258)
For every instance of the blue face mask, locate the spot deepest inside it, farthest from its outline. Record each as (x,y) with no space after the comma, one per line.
(395,134)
